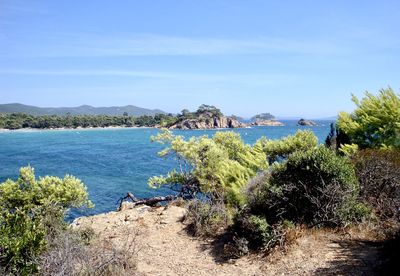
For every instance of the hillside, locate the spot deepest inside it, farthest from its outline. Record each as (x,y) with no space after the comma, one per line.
(80,110)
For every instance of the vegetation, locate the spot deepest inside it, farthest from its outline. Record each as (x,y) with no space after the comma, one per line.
(21,120)
(379,174)
(277,150)
(261,186)
(207,218)
(263,116)
(254,193)
(30,210)
(375,123)
(204,108)
(258,192)
(80,252)
(218,167)
(313,187)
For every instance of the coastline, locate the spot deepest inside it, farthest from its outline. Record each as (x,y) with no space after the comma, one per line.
(282,124)
(4,130)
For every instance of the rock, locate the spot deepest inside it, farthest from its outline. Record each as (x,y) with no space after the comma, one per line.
(208,121)
(267,123)
(126,205)
(303,122)
(143,209)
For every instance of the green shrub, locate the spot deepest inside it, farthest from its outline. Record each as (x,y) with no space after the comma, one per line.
(311,187)
(219,167)
(375,123)
(302,140)
(21,240)
(255,229)
(31,209)
(207,218)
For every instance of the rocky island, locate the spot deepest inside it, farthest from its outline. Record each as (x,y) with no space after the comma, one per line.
(303,122)
(267,123)
(265,119)
(206,117)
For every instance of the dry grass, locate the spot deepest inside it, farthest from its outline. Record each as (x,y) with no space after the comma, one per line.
(71,255)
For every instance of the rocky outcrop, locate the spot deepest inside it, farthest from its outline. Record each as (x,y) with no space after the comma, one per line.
(207,121)
(267,123)
(303,122)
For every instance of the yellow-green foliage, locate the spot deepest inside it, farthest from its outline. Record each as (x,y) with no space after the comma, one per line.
(25,208)
(375,123)
(221,165)
(300,141)
(28,192)
(349,149)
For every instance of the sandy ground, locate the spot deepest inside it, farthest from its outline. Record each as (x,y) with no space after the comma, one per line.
(164,247)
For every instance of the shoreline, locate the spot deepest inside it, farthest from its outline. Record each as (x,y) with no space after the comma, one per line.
(5,130)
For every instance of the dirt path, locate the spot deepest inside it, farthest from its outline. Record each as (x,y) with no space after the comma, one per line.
(167,249)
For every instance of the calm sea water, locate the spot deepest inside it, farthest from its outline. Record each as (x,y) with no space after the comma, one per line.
(110,162)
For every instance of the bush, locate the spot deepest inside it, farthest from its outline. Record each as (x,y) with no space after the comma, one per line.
(207,218)
(255,229)
(218,167)
(276,150)
(314,187)
(30,210)
(376,121)
(379,174)
(72,253)
(252,232)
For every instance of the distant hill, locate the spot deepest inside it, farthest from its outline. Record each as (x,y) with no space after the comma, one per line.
(80,110)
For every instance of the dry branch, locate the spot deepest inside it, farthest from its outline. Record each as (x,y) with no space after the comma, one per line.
(145,201)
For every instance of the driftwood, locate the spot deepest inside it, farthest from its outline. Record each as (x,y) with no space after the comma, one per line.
(145,201)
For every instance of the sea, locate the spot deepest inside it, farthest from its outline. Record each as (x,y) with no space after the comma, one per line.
(111,162)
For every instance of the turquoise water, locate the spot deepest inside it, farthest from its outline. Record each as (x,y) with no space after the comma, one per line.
(110,162)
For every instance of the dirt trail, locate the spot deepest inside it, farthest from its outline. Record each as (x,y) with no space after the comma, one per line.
(167,249)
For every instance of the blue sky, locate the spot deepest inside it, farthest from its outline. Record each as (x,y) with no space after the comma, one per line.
(290,58)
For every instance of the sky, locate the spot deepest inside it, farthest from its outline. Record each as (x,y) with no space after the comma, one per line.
(289,58)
